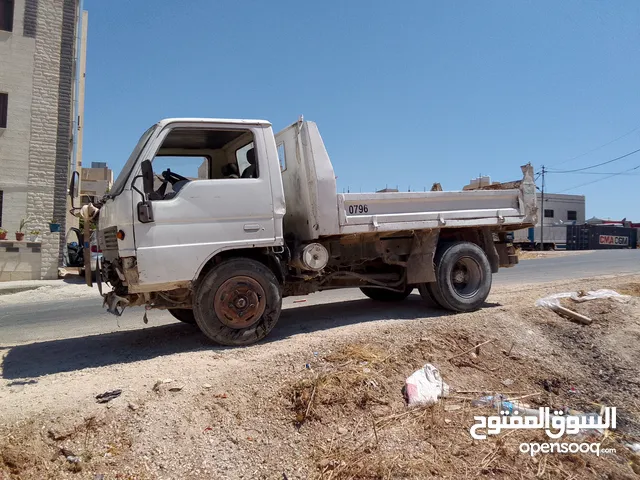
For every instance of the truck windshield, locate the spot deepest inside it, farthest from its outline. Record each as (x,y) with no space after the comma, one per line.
(120,182)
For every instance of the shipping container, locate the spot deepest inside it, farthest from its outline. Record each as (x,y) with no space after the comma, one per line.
(600,237)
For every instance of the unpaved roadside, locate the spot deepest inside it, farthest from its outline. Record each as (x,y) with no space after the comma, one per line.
(233,412)
(534,255)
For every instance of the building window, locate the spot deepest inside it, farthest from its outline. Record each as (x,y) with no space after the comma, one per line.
(572,215)
(548,213)
(4,108)
(6,15)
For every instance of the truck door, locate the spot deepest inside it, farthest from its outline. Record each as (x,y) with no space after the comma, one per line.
(212,193)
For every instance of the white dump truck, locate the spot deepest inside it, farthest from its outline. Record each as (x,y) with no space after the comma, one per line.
(258,218)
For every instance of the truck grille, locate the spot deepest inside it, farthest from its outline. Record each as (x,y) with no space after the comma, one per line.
(107,239)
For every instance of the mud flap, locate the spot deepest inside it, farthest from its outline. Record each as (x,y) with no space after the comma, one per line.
(420,263)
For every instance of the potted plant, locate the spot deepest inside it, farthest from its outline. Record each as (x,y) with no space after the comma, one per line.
(34,236)
(53,226)
(20,233)
(3,234)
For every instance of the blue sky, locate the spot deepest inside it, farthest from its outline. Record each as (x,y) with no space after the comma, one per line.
(405,93)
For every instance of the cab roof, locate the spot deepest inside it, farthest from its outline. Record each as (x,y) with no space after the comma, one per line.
(226,121)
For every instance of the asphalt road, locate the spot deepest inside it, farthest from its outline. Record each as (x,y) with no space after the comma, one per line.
(79,317)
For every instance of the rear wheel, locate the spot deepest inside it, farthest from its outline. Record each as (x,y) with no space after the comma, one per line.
(427,295)
(238,302)
(183,314)
(383,295)
(463,277)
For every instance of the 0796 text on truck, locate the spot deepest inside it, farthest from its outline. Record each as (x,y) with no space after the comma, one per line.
(217,220)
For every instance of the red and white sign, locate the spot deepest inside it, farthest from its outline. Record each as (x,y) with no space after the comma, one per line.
(613,240)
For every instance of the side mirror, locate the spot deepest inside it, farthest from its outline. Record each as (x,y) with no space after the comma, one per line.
(73,185)
(147,177)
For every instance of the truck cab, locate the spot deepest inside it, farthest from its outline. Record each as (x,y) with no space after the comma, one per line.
(216,186)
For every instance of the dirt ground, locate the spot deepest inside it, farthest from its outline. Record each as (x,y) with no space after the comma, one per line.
(534,255)
(327,403)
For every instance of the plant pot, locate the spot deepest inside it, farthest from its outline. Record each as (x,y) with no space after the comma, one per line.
(54,227)
(34,238)
(19,236)
(3,236)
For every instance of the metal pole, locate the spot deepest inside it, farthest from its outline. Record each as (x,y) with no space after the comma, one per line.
(542,217)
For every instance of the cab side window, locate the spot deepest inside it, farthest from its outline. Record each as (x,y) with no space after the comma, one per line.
(192,154)
(247,161)
(169,170)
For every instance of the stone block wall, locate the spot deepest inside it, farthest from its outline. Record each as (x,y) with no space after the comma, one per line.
(19,261)
(51,124)
(38,72)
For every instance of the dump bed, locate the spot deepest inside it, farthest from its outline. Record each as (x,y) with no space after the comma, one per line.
(407,211)
(314,209)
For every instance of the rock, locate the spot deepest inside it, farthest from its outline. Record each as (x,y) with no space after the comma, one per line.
(67,453)
(447,420)
(451,408)
(133,406)
(177,388)
(156,386)
(207,386)
(57,436)
(507,382)
(342,431)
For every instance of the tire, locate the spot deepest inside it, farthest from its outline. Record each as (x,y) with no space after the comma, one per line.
(427,295)
(238,302)
(382,295)
(184,315)
(463,277)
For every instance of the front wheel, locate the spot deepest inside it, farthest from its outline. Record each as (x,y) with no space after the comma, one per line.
(183,314)
(383,295)
(463,277)
(238,302)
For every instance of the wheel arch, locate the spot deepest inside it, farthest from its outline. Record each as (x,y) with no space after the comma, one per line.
(262,255)
(483,237)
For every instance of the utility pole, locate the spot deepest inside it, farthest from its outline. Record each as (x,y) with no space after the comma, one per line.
(542,210)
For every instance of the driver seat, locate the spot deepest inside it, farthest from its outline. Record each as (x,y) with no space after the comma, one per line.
(250,171)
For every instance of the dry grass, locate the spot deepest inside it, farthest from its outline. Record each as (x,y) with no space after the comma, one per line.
(632,289)
(34,449)
(354,400)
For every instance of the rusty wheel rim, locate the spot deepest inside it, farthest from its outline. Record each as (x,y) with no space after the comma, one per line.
(240,302)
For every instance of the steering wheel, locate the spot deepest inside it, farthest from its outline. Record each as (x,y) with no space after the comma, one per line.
(172,177)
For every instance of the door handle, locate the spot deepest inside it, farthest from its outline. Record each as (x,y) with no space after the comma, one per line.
(251,227)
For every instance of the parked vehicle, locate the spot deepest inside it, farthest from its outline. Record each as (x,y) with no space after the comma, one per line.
(74,251)
(223,251)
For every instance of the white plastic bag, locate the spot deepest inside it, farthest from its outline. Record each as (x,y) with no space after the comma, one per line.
(554,300)
(425,386)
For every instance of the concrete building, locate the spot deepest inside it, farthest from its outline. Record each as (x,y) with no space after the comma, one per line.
(558,211)
(39,41)
(95,181)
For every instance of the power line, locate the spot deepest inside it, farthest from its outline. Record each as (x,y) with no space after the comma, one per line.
(598,147)
(597,164)
(600,179)
(601,173)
